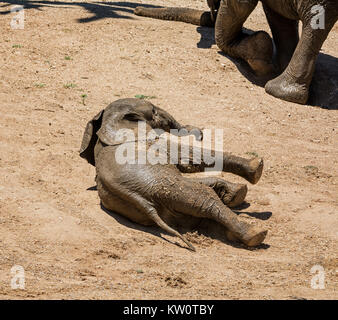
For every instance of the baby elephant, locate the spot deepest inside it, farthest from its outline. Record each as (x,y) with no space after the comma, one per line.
(157,193)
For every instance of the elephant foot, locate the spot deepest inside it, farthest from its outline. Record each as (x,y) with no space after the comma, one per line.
(287,89)
(139,11)
(255,170)
(231,194)
(252,238)
(238,196)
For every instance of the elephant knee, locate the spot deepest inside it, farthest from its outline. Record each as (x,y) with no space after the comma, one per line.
(209,207)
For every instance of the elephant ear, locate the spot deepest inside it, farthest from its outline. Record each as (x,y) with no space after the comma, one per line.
(112,123)
(89,138)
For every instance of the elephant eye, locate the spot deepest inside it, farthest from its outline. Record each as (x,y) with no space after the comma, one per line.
(154,112)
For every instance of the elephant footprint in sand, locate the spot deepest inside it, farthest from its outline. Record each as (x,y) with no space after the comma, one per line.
(158,193)
(296,56)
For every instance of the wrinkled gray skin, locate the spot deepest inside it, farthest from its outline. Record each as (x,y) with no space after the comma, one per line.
(158,194)
(296,57)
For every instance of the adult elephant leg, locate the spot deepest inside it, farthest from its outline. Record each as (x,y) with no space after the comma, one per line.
(285,35)
(192,16)
(231,194)
(198,200)
(256,49)
(293,84)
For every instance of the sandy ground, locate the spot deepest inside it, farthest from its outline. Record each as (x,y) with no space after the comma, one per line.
(69,62)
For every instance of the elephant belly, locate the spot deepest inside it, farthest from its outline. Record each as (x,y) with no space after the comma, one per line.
(286,8)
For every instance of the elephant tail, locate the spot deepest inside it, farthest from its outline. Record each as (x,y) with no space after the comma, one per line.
(192,16)
(157,219)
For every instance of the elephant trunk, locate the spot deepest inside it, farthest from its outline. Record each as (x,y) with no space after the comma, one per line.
(220,31)
(192,16)
(255,48)
(229,22)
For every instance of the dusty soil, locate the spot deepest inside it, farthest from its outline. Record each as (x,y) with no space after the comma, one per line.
(69,62)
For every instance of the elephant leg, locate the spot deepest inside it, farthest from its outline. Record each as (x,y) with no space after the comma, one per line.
(144,190)
(192,16)
(133,206)
(191,159)
(293,84)
(249,169)
(256,49)
(285,35)
(198,200)
(231,194)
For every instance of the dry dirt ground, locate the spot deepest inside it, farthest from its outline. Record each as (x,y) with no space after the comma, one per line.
(72,59)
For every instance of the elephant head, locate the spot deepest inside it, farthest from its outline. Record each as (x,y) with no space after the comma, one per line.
(125,114)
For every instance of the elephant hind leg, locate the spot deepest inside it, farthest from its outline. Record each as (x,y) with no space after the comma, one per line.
(199,200)
(133,206)
(192,16)
(285,35)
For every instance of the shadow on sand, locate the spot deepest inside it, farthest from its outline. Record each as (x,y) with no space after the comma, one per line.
(100,10)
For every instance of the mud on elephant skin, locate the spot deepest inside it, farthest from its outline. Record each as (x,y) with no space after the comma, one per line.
(157,193)
(296,56)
